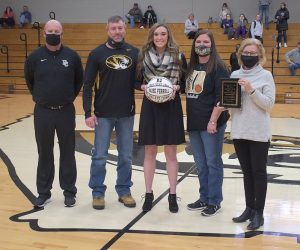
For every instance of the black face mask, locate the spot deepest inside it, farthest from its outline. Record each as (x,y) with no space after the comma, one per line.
(53,39)
(114,44)
(249,61)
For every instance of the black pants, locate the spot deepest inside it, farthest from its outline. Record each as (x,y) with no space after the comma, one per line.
(252,156)
(191,34)
(8,21)
(46,122)
(279,36)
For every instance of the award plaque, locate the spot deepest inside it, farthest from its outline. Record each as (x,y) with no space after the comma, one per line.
(230,93)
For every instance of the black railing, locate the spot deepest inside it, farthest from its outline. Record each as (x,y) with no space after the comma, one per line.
(52,15)
(278,49)
(23,37)
(4,50)
(37,26)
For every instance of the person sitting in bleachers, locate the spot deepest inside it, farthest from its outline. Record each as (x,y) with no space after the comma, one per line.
(134,16)
(293,59)
(25,16)
(149,17)
(241,27)
(228,27)
(191,26)
(234,63)
(8,17)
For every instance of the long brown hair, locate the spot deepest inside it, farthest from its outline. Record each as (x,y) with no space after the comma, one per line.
(214,60)
(172,47)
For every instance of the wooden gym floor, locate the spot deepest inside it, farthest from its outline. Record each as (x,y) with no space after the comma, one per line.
(117,227)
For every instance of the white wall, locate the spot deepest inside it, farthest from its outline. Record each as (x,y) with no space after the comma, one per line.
(94,11)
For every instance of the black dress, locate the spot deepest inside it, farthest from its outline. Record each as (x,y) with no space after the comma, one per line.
(161,123)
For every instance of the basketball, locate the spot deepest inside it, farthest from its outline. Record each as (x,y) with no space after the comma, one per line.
(159,89)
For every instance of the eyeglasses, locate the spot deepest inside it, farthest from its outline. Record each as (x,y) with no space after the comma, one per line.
(246,53)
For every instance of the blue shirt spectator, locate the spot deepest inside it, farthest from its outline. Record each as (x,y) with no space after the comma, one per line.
(25,16)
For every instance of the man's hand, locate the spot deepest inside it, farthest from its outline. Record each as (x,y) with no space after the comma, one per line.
(91,122)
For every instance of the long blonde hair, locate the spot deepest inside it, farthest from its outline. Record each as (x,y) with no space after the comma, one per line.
(172,47)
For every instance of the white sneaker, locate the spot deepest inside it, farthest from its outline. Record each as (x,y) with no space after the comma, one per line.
(278,45)
(285,45)
(142,27)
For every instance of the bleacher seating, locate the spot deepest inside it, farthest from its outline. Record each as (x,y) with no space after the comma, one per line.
(84,37)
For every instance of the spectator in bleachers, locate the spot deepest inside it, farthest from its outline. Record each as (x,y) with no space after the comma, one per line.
(241,29)
(282,15)
(25,16)
(263,6)
(150,17)
(223,13)
(228,27)
(135,15)
(8,17)
(190,26)
(256,29)
(293,59)
(234,63)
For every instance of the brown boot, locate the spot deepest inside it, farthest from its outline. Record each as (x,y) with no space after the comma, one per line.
(127,200)
(98,203)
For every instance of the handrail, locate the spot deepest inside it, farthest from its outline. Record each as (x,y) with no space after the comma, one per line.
(52,15)
(37,26)
(4,50)
(23,37)
(278,48)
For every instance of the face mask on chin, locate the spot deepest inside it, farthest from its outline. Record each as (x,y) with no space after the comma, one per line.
(114,44)
(202,50)
(249,61)
(53,39)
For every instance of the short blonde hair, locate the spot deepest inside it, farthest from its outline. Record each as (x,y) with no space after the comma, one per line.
(261,51)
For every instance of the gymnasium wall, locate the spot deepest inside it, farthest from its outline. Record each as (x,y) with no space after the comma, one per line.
(175,11)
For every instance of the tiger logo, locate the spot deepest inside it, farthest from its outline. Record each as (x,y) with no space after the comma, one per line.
(118,62)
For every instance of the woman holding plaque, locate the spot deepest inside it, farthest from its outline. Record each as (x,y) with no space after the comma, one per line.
(161,124)
(206,122)
(251,128)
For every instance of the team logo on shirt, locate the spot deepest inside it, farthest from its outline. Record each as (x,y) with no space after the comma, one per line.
(65,63)
(194,84)
(118,62)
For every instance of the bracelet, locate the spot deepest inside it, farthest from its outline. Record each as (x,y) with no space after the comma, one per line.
(252,92)
(212,122)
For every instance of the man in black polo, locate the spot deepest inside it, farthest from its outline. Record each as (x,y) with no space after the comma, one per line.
(54,76)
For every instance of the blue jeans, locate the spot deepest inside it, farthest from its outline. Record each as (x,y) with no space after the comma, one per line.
(293,67)
(264,14)
(124,135)
(23,20)
(131,20)
(207,152)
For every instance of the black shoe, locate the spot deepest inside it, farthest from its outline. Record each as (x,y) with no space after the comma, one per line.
(149,197)
(257,221)
(173,206)
(246,215)
(70,201)
(41,201)
(197,205)
(211,210)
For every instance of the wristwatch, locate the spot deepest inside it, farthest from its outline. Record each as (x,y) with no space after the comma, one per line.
(212,122)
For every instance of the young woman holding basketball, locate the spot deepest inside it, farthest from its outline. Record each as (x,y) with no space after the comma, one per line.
(161,124)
